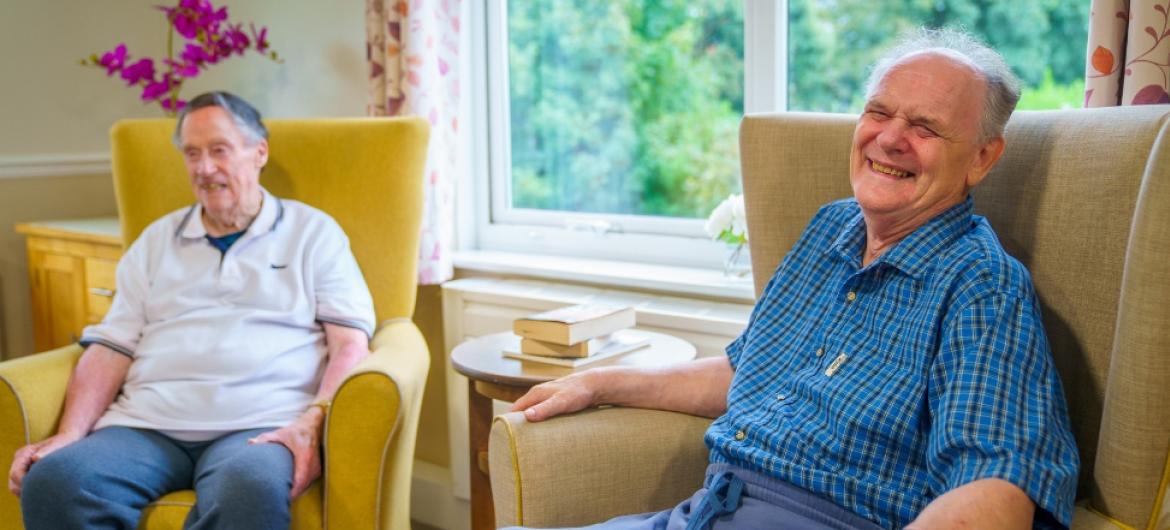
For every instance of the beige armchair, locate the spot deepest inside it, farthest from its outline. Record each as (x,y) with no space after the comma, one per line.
(367,174)
(1082,198)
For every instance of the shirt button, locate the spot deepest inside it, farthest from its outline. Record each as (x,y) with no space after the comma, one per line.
(740,435)
(781,397)
(820,352)
(851,296)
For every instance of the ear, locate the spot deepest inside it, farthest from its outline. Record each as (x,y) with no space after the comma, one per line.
(985,159)
(261,153)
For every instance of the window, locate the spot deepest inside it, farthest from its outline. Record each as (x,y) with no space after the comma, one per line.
(832,43)
(612,127)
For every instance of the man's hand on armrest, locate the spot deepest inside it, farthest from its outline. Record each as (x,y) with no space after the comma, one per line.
(345,347)
(698,387)
(95,382)
(562,396)
(302,438)
(990,503)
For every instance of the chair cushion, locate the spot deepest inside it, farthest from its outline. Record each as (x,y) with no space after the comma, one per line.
(169,512)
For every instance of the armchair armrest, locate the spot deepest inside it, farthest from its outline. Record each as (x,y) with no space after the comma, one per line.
(1086,518)
(32,391)
(370,432)
(593,465)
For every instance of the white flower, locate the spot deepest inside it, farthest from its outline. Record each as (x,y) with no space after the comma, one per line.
(720,218)
(728,221)
(738,216)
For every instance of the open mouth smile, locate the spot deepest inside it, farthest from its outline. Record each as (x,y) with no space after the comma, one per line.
(887,170)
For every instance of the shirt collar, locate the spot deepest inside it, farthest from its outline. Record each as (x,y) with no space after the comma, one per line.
(912,255)
(271,211)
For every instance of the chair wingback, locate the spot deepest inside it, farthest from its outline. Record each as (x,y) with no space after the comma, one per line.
(1082,199)
(365,172)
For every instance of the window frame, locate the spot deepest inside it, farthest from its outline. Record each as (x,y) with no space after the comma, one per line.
(496,226)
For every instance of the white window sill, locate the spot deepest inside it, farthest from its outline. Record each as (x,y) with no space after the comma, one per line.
(683,281)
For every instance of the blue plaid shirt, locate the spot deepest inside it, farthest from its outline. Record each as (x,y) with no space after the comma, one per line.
(885,386)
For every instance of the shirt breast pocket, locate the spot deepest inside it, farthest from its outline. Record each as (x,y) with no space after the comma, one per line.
(886,410)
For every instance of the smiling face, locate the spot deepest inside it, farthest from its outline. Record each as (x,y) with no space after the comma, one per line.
(223,163)
(916,148)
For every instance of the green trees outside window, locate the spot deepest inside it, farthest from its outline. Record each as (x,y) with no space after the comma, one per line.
(633,106)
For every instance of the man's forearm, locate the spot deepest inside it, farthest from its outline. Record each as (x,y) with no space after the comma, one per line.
(698,388)
(987,503)
(96,380)
(346,347)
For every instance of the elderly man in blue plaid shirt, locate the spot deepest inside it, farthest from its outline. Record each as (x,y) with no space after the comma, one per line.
(895,372)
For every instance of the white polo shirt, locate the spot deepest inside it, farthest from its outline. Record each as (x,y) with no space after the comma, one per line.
(228,342)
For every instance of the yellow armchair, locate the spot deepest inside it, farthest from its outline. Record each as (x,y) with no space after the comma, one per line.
(367,174)
(1081,197)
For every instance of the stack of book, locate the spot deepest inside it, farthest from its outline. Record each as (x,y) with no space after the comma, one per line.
(577,335)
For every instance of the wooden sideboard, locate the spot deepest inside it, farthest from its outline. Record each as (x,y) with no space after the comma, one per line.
(71,268)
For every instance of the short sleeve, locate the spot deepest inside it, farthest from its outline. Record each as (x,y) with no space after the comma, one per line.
(998,409)
(340,289)
(735,349)
(121,328)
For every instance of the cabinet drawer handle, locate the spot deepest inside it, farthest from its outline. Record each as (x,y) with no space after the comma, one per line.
(101,291)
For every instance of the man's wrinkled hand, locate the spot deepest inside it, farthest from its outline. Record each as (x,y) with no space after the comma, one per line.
(560,396)
(30,454)
(303,439)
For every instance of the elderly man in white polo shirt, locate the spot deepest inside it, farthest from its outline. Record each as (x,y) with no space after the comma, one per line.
(234,323)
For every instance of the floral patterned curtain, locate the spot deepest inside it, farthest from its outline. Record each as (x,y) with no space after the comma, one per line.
(413,51)
(1129,53)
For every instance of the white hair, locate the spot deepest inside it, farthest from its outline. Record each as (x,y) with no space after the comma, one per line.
(1003,89)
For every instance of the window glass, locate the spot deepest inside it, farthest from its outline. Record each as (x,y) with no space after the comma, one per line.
(832,43)
(624,106)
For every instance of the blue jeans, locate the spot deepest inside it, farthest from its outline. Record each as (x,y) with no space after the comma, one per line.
(105,480)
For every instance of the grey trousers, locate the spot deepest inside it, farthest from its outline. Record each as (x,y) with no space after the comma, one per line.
(760,502)
(105,480)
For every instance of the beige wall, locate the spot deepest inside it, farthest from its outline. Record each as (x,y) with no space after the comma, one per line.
(50,105)
(52,109)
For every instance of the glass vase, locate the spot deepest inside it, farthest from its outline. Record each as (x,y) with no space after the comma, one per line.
(738,264)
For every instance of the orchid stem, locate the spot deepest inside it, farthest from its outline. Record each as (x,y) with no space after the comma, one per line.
(170,62)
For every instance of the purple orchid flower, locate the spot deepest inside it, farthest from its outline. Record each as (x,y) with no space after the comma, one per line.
(185,25)
(172,105)
(155,89)
(143,69)
(215,18)
(208,38)
(195,54)
(183,69)
(199,6)
(114,60)
(236,40)
(260,38)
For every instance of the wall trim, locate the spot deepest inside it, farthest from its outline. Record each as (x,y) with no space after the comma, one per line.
(432,502)
(59,165)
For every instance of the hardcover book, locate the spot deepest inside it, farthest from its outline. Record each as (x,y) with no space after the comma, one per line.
(570,325)
(618,343)
(551,349)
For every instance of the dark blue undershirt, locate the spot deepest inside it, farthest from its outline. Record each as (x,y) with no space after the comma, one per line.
(223,243)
